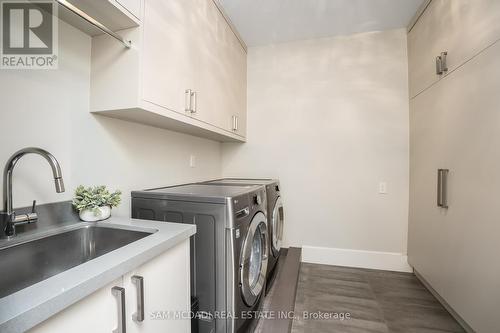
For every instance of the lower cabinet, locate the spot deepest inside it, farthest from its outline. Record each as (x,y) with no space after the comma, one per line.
(153,298)
(165,292)
(95,313)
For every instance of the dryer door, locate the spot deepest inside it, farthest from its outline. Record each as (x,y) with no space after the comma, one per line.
(254,260)
(277,227)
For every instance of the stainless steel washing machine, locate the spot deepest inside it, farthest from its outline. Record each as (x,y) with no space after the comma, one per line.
(230,251)
(275,213)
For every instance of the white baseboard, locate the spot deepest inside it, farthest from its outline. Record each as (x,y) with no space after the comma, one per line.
(389,261)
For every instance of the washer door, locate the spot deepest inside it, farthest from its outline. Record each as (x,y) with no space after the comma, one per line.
(254,260)
(277,227)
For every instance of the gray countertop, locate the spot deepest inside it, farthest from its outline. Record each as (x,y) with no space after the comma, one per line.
(28,307)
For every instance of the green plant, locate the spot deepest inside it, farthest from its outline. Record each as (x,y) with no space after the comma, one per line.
(95,197)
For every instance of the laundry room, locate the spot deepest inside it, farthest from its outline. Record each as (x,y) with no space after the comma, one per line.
(249,166)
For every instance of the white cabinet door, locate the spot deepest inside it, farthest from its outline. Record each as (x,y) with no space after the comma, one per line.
(166,293)
(473,219)
(210,67)
(426,41)
(470,26)
(221,79)
(236,85)
(463,28)
(97,313)
(427,224)
(234,82)
(169,52)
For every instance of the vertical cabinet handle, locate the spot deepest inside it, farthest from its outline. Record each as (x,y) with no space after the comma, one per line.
(441,64)
(442,188)
(119,293)
(139,284)
(194,102)
(444,63)
(439,69)
(235,123)
(188,100)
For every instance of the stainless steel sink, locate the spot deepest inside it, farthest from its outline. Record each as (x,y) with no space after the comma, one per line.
(27,263)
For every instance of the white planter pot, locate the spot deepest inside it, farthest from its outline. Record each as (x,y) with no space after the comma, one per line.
(91,215)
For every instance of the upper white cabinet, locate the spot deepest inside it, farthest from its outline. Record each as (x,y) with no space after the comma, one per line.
(186,71)
(113,14)
(169,53)
(221,83)
(462,28)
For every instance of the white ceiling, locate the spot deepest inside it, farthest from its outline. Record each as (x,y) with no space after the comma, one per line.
(262,22)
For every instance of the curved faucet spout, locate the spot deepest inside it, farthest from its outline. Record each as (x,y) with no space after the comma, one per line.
(9,168)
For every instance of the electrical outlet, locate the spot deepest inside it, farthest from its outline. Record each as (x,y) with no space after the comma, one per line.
(382,188)
(192,161)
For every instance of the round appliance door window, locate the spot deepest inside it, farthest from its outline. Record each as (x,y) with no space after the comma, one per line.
(277,227)
(254,260)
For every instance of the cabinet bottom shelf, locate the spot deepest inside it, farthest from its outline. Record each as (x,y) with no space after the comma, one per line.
(173,122)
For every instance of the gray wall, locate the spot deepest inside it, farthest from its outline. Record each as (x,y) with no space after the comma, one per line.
(329,117)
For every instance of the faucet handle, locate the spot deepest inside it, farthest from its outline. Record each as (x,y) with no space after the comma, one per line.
(32,217)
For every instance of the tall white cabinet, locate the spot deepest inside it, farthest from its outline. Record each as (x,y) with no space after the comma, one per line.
(455,125)
(186,71)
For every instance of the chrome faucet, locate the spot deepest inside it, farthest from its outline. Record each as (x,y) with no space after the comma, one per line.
(9,220)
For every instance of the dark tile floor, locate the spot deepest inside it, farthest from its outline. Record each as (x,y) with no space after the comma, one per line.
(377,301)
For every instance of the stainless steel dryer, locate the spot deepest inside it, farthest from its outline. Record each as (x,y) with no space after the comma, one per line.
(230,250)
(275,213)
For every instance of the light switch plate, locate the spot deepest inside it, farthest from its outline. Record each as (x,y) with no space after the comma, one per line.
(192,161)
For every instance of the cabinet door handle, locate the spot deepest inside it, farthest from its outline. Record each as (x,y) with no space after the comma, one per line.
(119,293)
(188,100)
(442,188)
(439,69)
(194,102)
(441,65)
(235,123)
(444,61)
(139,283)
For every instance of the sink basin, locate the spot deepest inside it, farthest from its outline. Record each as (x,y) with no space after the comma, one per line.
(25,264)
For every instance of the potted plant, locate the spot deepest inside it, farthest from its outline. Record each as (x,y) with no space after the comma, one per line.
(95,203)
